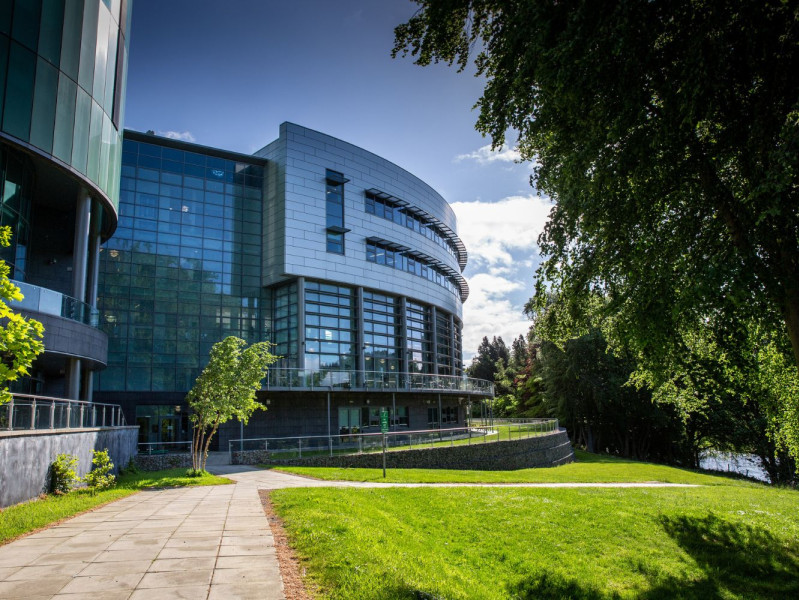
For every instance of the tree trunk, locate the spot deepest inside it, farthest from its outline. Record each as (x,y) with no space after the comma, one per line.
(208,442)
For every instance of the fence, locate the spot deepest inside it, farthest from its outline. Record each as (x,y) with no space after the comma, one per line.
(359,443)
(27,412)
(151,448)
(337,379)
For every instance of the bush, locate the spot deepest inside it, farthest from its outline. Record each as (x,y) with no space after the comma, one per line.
(63,475)
(100,477)
(196,473)
(131,469)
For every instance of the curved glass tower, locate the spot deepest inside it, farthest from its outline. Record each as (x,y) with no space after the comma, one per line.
(62,84)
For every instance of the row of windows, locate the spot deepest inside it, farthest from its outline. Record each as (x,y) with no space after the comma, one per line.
(178,186)
(175,172)
(387,210)
(381,255)
(175,155)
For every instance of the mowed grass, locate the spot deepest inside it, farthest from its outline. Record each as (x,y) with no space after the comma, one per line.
(725,539)
(26,517)
(587,468)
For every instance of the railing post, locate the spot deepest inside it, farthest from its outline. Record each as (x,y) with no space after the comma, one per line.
(81,415)
(94,416)
(360,444)
(33,414)
(69,415)
(299,443)
(11,414)
(103,423)
(52,414)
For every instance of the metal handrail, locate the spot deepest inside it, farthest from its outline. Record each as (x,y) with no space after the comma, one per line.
(358,443)
(32,412)
(158,447)
(351,379)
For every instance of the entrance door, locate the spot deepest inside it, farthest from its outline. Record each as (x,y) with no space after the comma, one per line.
(349,420)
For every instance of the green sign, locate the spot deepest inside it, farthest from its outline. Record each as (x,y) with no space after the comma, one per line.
(383,421)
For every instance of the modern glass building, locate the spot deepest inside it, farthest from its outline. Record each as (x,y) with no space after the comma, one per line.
(62,90)
(350,265)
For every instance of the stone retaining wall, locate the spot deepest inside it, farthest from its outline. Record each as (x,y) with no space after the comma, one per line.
(158,462)
(547,450)
(26,456)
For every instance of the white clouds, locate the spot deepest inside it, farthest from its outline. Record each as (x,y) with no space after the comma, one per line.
(501,238)
(490,312)
(493,230)
(184,136)
(485,155)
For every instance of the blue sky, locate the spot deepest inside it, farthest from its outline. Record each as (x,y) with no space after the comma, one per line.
(226,74)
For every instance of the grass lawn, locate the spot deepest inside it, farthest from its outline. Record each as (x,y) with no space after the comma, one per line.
(29,516)
(588,468)
(726,539)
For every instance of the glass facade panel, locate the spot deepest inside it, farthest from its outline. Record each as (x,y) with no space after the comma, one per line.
(62,74)
(44,106)
(382,333)
(19,92)
(418,347)
(444,338)
(330,327)
(175,301)
(50,31)
(16,187)
(64,118)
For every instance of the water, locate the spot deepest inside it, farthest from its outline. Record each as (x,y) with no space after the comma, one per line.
(745,464)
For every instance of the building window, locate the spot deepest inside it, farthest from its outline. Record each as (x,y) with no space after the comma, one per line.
(330,330)
(398,259)
(449,414)
(432,417)
(334,211)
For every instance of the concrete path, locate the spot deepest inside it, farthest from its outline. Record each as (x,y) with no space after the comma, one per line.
(207,543)
(260,479)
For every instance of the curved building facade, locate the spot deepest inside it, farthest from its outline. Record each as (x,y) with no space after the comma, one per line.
(349,264)
(62,84)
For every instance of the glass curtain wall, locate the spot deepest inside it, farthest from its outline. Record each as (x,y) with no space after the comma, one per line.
(183,269)
(330,328)
(16,186)
(381,338)
(443,344)
(285,310)
(419,342)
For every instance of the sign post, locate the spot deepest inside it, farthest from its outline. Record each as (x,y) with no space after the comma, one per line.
(384,431)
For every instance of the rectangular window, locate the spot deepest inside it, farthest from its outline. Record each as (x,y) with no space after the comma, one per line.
(334,211)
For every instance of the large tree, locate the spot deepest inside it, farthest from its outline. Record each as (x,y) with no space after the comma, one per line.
(668,135)
(225,389)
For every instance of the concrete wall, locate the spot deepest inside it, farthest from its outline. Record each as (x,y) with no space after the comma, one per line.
(25,457)
(548,450)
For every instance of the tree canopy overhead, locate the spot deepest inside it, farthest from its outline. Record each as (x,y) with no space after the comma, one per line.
(667,133)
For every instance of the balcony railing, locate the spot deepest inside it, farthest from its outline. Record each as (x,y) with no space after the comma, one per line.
(49,302)
(26,412)
(339,380)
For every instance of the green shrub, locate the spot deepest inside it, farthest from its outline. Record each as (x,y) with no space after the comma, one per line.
(100,477)
(131,469)
(196,473)
(63,475)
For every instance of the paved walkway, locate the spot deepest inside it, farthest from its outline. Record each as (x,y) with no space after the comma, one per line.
(206,543)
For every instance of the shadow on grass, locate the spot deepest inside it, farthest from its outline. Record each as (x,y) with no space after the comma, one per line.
(736,560)
(741,559)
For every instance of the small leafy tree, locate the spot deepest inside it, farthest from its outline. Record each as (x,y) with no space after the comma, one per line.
(100,477)
(63,474)
(226,389)
(20,338)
